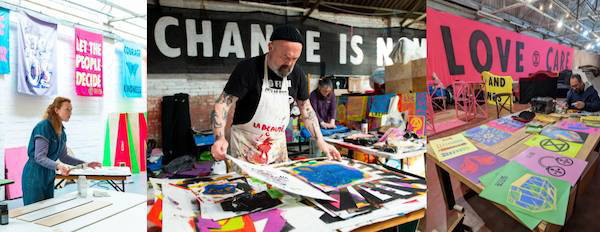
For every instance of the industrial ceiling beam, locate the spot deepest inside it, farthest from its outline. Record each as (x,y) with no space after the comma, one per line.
(305,16)
(416,20)
(368,7)
(510,7)
(417,4)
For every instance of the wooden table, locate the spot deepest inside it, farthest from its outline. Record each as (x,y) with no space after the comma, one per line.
(508,149)
(109,177)
(416,215)
(126,212)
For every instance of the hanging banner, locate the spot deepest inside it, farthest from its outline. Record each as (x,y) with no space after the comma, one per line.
(88,63)
(182,40)
(131,65)
(4,41)
(496,85)
(461,49)
(36,51)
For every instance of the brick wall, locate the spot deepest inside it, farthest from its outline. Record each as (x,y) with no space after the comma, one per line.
(202,88)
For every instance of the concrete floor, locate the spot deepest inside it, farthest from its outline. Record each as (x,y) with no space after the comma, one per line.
(135,184)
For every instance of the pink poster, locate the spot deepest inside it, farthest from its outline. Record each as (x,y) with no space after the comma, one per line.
(460,49)
(14,162)
(88,63)
(551,164)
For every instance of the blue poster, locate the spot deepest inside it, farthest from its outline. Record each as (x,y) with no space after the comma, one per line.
(421,106)
(131,69)
(4,40)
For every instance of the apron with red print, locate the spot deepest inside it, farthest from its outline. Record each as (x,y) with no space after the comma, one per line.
(262,139)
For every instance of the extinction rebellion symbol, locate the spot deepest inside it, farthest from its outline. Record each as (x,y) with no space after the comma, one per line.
(554,145)
(536,58)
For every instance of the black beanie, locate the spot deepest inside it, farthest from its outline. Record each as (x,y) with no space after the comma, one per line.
(288,33)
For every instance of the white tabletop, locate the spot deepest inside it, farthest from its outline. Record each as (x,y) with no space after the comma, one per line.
(126,213)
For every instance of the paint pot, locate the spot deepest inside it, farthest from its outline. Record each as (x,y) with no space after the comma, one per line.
(3,213)
(82,186)
(364,127)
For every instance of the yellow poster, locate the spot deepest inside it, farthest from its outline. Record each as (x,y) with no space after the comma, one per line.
(451,146)
(495,85)
(561,147)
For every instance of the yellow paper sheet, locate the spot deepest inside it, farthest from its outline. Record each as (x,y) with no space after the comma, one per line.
(565,148)
(451,146)
(545,118)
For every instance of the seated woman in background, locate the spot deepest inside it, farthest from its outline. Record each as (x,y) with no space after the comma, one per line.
(322,100)
(48,143)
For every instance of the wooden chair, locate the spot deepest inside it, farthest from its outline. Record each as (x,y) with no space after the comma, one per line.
(502,99)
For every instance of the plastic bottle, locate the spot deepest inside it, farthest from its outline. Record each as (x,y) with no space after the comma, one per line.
(3,213)
(82,186)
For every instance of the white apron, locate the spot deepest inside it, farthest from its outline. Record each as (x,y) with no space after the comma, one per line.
(262,139)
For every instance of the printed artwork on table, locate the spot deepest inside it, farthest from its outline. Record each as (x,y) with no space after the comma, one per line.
(476,164)
(451,146)
(329,176)
(563,134)
(565,148)
(215,191)
(280,179)
(486,135)
(577,126)
(533,193)
(273,221)
(551,164)
(506,124)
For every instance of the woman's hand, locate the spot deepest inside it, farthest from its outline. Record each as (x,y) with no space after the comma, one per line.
(62,169)
(94,165)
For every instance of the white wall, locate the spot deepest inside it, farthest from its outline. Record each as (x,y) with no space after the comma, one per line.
(19,113)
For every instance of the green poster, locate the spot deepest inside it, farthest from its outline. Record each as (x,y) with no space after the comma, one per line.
(529,221)
(565,148)
(528,195)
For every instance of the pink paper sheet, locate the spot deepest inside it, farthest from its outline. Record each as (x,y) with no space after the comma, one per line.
(551,164)
(577,126)
(14,162)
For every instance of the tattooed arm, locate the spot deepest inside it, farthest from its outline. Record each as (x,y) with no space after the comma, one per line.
(219,120)
(311,122)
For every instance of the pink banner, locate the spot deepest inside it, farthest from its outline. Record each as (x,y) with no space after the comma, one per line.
(88,63)
(460,49)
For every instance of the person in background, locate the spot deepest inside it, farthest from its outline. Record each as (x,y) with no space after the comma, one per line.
(582,98)
(48,143)
(322,100)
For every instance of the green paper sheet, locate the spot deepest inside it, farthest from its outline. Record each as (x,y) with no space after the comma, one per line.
(529,221)
(499,190)
(565,148)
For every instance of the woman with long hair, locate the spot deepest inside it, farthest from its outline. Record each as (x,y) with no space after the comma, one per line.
(48,143)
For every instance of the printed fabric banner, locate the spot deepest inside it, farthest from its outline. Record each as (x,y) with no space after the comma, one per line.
(461,49)
(4,41)
(88,63)
(131,65)
(496,85)
(36,51)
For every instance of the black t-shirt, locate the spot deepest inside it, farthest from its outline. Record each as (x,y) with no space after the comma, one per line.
(246,80)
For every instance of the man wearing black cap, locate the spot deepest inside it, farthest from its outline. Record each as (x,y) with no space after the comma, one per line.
(262,88)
